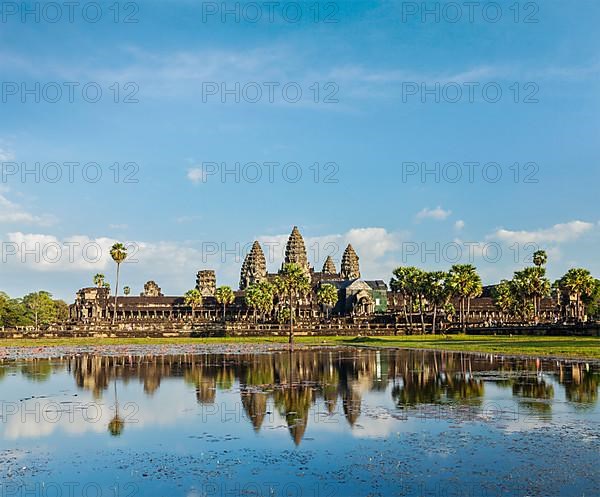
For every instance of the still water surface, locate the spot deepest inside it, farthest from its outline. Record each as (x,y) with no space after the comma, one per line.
(319,423)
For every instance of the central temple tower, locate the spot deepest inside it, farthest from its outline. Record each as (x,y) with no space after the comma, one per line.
(295,251)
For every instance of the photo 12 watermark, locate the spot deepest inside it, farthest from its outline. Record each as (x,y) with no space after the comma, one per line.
(69,12)
(469,92)
(70,92)
(69,172)
(264,172)
(427,12)
(270,92)
(271,12)
(470,172)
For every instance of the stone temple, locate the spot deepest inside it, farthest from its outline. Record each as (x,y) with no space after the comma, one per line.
(355,296)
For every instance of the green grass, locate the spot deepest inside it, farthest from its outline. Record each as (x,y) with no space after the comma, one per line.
(573,347)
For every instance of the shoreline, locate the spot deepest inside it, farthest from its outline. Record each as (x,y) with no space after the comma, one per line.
(581,348)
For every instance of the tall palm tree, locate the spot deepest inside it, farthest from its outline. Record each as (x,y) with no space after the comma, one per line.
(327,296)
(225,296)
(292,284)
(193,298)
(579,283)
(465,284)
(436,292)
(540,258)
(99,280)
(116,424)
(534,285)
(406,282)
(118,252)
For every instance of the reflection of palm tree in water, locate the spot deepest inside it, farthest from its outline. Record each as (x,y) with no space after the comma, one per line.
(117,424)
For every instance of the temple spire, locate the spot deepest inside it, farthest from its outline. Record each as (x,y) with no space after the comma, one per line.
(295,251)
(329,266)
(350,268)
(254,268)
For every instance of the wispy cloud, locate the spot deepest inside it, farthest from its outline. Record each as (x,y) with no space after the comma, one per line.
(559,233)
(437,214)
(13,213)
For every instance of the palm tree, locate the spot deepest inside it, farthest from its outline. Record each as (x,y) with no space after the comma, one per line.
(505,297)
(259,297)
(225,296)
(578,283)
(437,292)
(540,258)
(126,291)
(99,280)
(193,298)
(118,252)
(327,295)
(405,282)
(465,284)
(116,424)
(292,284)
(531,284)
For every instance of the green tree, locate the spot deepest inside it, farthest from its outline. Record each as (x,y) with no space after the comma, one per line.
(505,298)
(14,312)
(41,308)
(292,284)
(327,296)
(118,252)
(99,280)
(126,291)
(580,284)
(540,258)
(465,284)
(61,311)
(531,285)
(193,299)
(259,297)
(224,296)
(437,292)
(407,282)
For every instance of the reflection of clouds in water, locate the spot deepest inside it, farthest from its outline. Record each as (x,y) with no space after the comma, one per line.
(39,418)
(358,393)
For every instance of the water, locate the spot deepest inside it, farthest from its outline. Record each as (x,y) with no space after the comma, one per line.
(326,422)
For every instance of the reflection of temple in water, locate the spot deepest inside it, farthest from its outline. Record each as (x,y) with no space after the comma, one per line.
(294,383)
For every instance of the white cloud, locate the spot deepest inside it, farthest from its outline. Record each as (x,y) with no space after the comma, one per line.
(437,214)
(196,175)
(6,155)
(12,213)
(559,233)
(459,225)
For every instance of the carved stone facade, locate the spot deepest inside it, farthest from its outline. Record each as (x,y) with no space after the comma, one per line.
(206,283)
(295,252)
(350,268)
(151,289)
(254,268)
(329,266)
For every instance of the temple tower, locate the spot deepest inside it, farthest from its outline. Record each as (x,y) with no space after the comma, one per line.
(350,268)
(254,268)
(295,251)
(151,289)
(206,283)
(329,266)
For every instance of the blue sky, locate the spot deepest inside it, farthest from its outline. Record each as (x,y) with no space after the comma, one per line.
(369,120)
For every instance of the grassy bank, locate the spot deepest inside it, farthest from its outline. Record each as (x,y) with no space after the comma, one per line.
(573,347)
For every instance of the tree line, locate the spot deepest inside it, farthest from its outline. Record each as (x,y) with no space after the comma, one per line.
(426,293)
(34,309)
